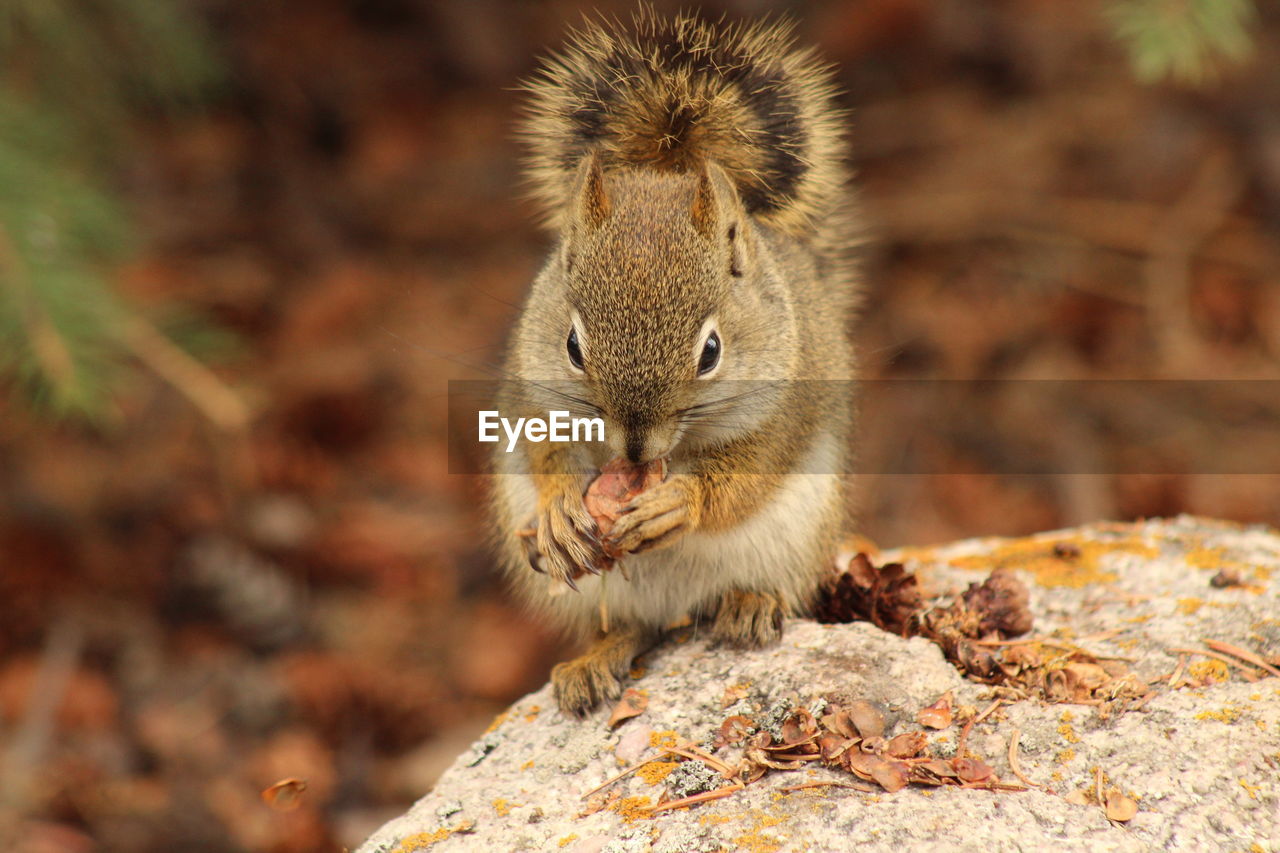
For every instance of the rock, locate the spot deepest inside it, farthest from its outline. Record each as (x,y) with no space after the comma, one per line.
(1202,763)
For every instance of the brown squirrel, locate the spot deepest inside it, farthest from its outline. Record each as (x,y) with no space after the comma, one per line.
(699,291)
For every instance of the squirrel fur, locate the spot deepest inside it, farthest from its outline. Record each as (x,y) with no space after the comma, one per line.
(698,299)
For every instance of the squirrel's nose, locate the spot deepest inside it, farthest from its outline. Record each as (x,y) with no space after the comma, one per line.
(635,447)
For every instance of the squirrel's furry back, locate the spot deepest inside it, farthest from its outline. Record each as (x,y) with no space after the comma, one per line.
(672,92)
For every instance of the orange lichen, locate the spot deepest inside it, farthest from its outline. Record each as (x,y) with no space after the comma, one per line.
(1206,558)
(1072,561)
(1188,606)
(632,809)
(1222,715)
(655,771)
(1213,671)
(534,711)
(502,807)
(753,840)
(567,840)
(1066,756)
(663,738)
(499,720)
(421,841)
(425,840)
(1068,733)
(1215,559)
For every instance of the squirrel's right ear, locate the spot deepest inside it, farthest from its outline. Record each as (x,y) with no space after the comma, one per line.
(591,203)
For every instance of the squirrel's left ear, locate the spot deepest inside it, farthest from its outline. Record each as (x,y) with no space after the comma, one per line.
(718,214)
(591,203)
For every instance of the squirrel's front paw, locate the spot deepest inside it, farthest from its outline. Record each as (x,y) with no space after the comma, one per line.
(583,683)
(566,540)
(655,518)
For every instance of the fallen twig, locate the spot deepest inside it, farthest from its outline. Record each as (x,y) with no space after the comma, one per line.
(1243,654)
(1013,759)
(624,774)
(866,789)
(693,800)
(1227,659)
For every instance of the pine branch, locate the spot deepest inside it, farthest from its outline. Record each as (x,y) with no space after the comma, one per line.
(1185,40)
(72,75)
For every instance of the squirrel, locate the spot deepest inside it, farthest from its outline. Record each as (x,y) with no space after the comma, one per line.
(697,299)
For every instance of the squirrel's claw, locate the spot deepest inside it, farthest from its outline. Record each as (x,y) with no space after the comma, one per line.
(653,519)
(566,543)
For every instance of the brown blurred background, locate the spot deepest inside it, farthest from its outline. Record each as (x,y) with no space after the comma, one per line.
(267,571)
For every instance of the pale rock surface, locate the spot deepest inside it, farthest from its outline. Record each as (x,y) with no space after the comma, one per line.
(1203,764)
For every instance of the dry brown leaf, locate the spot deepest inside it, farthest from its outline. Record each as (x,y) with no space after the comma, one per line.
(733,730)
(874,744)
(733,694)
(632,704)
(285,795)
(1119,807)
(907,744)
(1020,657)
(971,769)
(867,719)
(839,722)
(890,775)
(938,715)
(861,764)
(798,728)
(939,767)
(832,745)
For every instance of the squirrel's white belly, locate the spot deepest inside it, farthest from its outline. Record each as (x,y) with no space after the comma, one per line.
(770,552)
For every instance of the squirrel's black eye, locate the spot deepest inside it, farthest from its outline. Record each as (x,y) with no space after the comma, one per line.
(710,354)
(575,351)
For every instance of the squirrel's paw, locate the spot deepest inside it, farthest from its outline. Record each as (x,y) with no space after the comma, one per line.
(583,683)
(566,542)
(748,620)
(654,518)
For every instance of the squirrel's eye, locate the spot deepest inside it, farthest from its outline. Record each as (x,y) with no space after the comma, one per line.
(710,354)
(575,350)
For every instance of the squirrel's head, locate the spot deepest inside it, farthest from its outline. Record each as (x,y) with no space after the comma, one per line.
(669,311)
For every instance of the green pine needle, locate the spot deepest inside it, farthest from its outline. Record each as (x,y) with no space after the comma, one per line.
(72,76)
(1185,40)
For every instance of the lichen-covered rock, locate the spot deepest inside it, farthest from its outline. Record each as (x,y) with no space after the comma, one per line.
(1202,762)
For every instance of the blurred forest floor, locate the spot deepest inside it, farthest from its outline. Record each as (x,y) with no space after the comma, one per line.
(191,616)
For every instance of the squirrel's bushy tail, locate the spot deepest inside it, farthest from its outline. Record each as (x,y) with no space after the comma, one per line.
(674,92)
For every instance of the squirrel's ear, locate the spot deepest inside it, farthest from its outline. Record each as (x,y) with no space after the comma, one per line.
(591,202)
(715,201)
(717,212)
(705,211)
